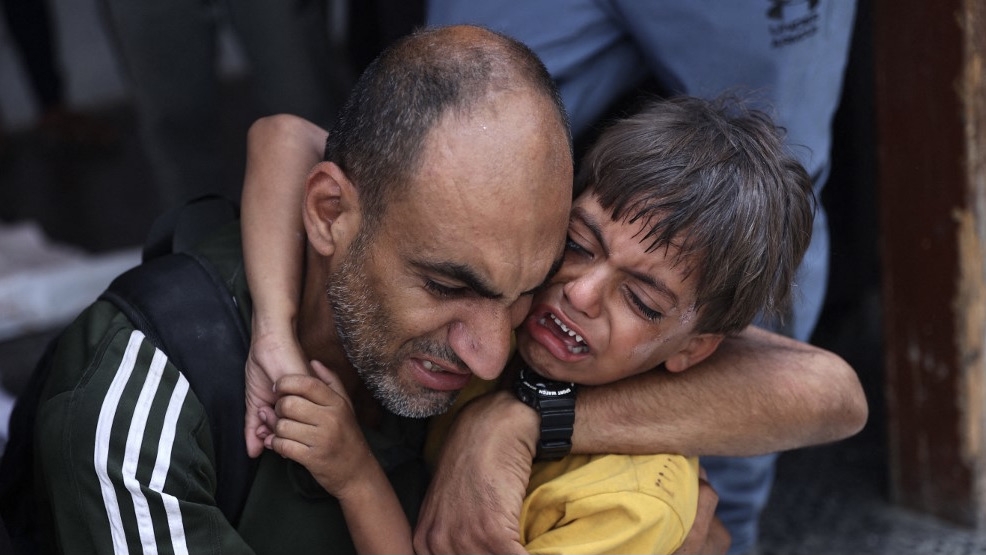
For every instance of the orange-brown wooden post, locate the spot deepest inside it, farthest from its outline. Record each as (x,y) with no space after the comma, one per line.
(930,60)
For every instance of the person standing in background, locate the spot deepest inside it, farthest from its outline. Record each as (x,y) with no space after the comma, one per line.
(31,26)
(170,51)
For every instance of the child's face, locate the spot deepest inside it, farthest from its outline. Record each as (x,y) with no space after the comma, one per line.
(632,309)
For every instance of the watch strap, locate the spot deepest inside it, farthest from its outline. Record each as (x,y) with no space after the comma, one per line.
(557,424)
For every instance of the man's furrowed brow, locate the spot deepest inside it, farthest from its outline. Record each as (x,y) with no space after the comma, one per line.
(463,274)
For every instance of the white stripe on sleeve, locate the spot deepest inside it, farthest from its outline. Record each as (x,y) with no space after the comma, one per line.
(104,427)
(135,439)
(163,463)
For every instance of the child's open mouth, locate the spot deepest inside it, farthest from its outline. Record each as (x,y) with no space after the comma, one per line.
(576,345)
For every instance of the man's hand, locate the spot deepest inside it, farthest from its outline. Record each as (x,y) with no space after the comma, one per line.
(708,535)
(271,357)
(474,501)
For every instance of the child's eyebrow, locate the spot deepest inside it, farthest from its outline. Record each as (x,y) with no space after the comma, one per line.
(578,213)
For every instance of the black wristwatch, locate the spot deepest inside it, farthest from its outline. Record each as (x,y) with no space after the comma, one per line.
(554,401)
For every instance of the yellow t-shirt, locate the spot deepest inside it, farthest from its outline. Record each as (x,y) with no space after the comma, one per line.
(610,504)
(599,503)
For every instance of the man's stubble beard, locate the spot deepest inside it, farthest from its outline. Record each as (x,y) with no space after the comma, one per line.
(365,329)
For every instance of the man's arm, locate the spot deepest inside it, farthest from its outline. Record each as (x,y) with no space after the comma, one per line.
(467,510)
(759,393)
(124,447)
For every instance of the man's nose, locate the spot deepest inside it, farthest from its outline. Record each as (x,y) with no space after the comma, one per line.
(482,340)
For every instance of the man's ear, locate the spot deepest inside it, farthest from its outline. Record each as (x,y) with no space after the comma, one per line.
(698,348)
(331,211)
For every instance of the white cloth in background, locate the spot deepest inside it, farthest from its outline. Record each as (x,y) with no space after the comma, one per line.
(6,407)
(44,284)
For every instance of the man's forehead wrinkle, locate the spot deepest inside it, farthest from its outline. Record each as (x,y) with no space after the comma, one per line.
(443,150)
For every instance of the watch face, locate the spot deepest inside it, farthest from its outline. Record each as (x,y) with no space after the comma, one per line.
(545,386)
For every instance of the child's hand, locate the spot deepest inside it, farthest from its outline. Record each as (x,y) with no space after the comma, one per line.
(272,356)
(317,428)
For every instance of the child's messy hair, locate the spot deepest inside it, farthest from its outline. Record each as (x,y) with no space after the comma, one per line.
(714,179)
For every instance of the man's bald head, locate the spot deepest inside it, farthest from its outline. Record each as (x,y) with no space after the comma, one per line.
(404,93)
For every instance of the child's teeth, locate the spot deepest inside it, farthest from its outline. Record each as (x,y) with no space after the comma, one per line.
(564,328)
